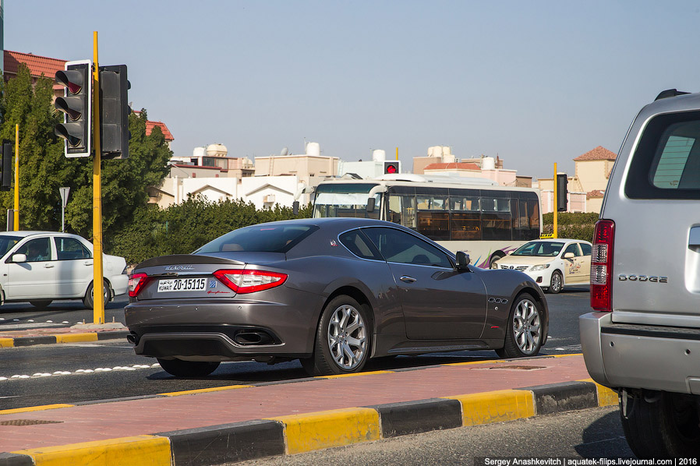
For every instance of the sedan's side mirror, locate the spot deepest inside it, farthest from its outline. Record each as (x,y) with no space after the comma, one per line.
(463,261)
(19,258)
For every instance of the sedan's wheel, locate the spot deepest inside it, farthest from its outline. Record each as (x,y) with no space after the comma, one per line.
(524,329)
(40,303)
(180,368)
(663,426)
(342,339)
(556,283)
(89,299)
(494,259)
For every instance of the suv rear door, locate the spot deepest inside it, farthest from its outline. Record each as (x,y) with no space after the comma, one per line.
(656,265)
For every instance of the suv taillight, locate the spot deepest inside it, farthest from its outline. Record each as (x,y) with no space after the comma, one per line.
(136,283)
(601,265)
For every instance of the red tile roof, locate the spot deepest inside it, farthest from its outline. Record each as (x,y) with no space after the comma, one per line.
(599,153)
(595,194)
(164,129)
(452,166)
(36,63)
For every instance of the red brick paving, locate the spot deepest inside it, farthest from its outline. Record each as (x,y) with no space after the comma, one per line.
(153,415)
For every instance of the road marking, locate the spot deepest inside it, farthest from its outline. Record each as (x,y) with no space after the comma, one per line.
(39,375)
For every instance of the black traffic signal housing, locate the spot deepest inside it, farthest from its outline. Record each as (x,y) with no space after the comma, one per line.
(114,112)
(76,105)
(562,192)
(6,175)
(392,167)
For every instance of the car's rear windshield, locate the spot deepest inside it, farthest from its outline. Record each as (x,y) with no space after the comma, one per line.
(259,238)
(539,249)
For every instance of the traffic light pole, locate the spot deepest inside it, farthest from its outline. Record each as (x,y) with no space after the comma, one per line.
(15,222)
(554,202)
(98,314)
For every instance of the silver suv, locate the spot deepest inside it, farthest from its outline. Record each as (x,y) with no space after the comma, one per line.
(643,338)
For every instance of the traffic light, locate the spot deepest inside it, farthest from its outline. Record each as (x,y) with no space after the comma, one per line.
(76,104)
(114,112)
(6,175)
(392,168)
(562,192)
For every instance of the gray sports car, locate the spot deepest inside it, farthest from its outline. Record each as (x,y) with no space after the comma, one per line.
(332,292)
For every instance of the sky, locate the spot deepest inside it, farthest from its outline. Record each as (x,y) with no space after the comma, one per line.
(533,82)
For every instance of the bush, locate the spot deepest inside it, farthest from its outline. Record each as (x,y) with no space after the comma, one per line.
(182,228)
(571,225)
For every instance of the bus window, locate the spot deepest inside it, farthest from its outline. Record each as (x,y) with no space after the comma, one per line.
(465,217)
(495,218)
(402,210)
(433,216)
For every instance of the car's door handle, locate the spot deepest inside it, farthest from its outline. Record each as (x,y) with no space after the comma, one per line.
(407,279)
(48,266)
(87,263)
(694,239)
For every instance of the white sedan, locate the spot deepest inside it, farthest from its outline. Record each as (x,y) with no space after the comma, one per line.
(41,267)
(552,263)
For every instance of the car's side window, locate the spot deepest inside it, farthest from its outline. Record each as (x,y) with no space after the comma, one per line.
(357,243)
(573,248)
(404,248)
(586,248)
(71,249)
(36,250)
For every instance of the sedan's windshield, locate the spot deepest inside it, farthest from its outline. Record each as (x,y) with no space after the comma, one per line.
(539,249)
(259,238)
(7,242)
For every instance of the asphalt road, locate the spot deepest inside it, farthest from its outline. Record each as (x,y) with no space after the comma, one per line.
(71,373)
(592,433)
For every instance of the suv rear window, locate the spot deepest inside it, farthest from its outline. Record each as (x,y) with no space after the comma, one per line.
(259,238)
(666,164)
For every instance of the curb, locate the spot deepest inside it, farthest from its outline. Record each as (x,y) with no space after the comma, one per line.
(287,435)
(61,338)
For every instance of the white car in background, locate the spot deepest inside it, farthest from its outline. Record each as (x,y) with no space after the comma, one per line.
(41,267)
(552,263)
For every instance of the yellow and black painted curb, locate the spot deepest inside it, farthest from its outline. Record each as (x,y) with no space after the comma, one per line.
(288,435)
(61,338)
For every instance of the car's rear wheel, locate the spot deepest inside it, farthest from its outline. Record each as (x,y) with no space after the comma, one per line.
(664,426)
(524,329)
(89,299)
(342,339)
(40,303)
(180,368)
(556,283)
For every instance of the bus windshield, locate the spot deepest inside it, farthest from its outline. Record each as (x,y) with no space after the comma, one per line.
(345,200)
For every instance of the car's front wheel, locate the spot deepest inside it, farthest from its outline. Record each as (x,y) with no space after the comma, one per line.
(89,298)
(180,368)
(661,425)
(342,339)
(524,329)
(556,283)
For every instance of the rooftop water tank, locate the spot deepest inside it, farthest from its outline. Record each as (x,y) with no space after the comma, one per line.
(313,148)
(199,152)
(488,163)
(217,150)
(378,155)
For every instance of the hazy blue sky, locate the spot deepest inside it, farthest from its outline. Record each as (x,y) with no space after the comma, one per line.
(534,82)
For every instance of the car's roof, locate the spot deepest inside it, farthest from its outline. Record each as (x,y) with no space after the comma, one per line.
(558,240)
(25,233)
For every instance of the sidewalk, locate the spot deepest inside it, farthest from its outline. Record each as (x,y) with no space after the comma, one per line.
(237,423)
(50,335)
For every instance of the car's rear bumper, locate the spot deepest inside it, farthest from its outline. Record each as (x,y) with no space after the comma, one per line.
(640,356)
(219,329)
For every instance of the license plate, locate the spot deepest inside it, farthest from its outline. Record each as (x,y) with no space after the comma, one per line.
(182,284)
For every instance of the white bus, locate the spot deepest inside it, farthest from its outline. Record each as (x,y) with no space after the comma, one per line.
(476,216)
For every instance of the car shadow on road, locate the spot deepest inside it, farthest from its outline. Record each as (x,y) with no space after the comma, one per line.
(605,439)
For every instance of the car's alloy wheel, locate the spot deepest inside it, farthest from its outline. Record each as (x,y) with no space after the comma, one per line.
(342,339)
(556,282)
(89,299)
(524,329)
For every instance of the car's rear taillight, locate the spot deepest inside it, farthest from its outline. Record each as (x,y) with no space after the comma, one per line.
(136,283)
(601,265)
(249,281)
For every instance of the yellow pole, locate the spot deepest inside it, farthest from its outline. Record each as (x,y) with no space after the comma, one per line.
(397,153)
(554,203)
(16,212)
(98,310)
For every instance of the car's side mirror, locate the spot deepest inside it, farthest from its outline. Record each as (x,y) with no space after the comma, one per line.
(569,255)
(463,261)
(19,258)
